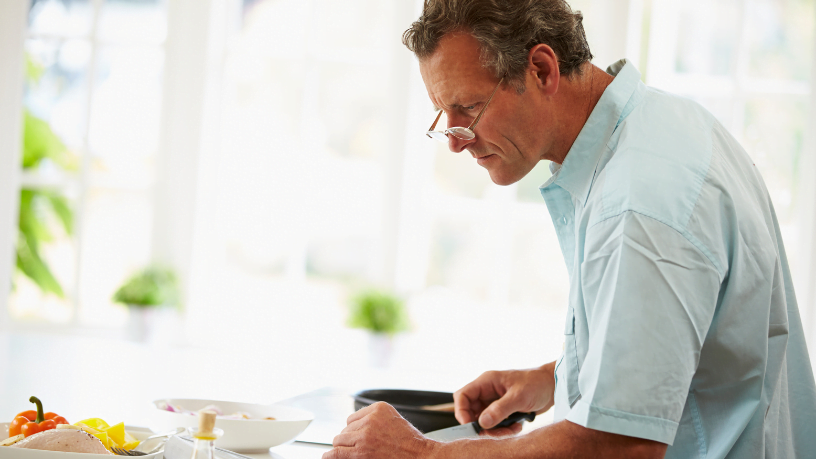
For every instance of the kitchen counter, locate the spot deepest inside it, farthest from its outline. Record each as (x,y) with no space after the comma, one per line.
(81,377)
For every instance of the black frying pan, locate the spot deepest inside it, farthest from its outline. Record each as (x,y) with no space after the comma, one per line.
(407,403)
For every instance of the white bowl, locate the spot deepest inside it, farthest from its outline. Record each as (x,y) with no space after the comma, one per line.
(240,435)
(139,433)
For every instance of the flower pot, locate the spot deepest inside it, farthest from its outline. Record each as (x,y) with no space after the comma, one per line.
(140,323)
(380,349)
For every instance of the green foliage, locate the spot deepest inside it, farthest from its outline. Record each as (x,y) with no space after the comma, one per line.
(34,70)
(40,208)
(153,286)
(378,312)
(41,144)
(34,230)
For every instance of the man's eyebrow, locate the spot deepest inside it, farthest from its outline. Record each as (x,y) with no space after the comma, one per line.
(452,106)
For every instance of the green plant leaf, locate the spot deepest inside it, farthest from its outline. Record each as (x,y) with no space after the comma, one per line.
(31,221)
(30,264)
(62,209)
(40,143)
(152,286)
(378,312)
(34,70)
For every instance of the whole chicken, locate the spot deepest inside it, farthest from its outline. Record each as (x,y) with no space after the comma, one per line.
(66,440)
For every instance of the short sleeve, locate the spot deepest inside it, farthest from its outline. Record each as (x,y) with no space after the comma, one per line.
(649,296)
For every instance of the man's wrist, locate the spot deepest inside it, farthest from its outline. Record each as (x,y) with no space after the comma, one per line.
(434,449)
(550,366)
(549,370)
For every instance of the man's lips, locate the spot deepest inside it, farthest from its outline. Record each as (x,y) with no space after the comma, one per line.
(482,160)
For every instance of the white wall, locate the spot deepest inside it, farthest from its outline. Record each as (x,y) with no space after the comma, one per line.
(12,37)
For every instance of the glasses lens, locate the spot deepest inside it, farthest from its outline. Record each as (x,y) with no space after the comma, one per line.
(462,133)
(436,135)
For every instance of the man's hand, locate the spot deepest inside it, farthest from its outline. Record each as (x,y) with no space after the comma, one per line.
(497,394)
(378,431)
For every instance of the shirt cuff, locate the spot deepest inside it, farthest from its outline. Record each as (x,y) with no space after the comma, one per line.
(622,423)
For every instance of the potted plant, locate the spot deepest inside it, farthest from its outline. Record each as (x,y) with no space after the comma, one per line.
(384,315)
(144,292)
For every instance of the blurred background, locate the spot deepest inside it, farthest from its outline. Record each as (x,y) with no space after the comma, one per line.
(268,157)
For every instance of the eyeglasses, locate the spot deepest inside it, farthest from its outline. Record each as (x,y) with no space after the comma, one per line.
(464,133)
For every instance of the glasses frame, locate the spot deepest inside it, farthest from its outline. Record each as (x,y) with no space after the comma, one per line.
(463,133)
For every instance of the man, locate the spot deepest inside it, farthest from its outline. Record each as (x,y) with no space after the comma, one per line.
(683,336)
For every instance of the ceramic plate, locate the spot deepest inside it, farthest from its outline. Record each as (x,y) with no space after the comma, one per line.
(139,433)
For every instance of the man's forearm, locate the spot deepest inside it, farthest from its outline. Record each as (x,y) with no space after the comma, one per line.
(558,440)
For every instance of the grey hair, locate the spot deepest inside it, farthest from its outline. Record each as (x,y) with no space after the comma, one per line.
(506,31)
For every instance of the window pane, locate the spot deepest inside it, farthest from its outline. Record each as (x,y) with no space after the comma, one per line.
(260,177)
(274,28)
(65,18)
(708,36)
(458,174)
(461,254)
(142,21)
(341,258)
(539,274)
(353,110)
(720,107)
(344,225)
(355,24)
(57,87)
(781,38)
(774,131)
(115,242)
(125,112)
(528,188)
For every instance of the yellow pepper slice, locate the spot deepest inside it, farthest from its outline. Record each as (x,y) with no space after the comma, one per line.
(116,433)
(103,437)
(95,423)
(130,445)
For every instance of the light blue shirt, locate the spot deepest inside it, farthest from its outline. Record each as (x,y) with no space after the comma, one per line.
(682,324)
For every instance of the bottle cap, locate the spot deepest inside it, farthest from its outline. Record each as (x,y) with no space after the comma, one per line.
(206,422)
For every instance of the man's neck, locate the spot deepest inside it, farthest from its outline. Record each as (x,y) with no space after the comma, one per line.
(579,96)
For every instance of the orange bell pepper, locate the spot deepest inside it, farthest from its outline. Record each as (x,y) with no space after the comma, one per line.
(30,414)
(30,422)
(55,417)
(16,425)
(30,429)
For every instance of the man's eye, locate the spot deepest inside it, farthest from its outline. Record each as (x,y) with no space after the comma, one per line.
(470,107)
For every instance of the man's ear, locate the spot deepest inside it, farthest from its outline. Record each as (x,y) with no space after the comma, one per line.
(543,64)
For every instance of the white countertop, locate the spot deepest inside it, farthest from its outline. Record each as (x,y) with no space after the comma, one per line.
(116,380)
(81,377)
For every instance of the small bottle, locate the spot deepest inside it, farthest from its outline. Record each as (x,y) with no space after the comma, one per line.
(205,435)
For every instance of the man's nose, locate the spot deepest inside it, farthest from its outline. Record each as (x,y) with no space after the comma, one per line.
(455,144)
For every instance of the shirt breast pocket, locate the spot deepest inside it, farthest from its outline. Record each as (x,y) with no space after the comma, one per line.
(571,358)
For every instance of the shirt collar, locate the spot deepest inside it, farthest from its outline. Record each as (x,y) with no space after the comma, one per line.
(576,173)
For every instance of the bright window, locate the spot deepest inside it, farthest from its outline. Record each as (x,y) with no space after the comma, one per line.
(99,91)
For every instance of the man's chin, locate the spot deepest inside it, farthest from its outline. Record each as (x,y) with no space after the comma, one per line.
(502,179)
(502,176)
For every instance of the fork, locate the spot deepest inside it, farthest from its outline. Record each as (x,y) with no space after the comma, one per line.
(140,452)
(123,452)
